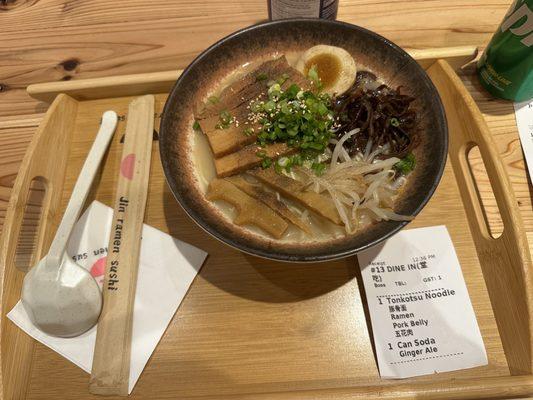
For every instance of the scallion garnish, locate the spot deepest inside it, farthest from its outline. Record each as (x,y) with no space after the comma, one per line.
(313,75)
(319,168)
(224,120)
(302,119)
(406,164)
(281,80)
(248,131)
(266,163)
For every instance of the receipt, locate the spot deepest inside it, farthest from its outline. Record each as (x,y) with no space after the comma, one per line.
(524,122)
(422,318)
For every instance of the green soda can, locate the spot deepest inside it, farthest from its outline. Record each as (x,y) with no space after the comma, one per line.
(506,67)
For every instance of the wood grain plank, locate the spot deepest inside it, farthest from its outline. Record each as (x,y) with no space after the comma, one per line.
(16,121)
(60,39)
(14,142)
(82,13)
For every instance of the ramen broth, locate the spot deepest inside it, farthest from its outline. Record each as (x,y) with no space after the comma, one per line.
(203,161)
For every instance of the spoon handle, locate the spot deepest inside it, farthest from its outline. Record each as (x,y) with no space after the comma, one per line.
(82,188)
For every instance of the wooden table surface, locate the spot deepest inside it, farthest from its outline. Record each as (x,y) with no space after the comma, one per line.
(51,40)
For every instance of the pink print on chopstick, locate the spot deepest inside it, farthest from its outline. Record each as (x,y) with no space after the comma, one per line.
(127,166)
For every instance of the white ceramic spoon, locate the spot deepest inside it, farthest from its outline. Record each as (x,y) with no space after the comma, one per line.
(60,297)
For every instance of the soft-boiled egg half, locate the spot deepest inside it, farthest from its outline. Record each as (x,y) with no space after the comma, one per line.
(335,67)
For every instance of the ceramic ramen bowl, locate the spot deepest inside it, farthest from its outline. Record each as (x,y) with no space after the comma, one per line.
(370,51)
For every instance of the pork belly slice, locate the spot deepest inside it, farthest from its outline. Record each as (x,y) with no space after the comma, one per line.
(249,210)
(231,139)
(270,200)
(294,190)
(244,89)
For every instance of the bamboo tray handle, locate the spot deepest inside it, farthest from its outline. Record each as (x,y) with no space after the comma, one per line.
(505,261)
(46,161)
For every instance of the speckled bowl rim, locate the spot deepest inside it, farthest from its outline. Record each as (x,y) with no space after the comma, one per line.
(277,255)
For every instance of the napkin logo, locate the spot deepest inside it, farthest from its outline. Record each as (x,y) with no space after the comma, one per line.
(98,269)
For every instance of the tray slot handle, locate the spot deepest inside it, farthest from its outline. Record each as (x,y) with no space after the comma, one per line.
(45,160)
(505,261)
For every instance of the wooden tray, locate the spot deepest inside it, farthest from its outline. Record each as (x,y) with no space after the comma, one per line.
(256,329)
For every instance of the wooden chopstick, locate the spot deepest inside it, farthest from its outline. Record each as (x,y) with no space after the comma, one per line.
(111,363)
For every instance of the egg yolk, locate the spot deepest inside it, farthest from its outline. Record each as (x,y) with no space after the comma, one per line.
(328,68)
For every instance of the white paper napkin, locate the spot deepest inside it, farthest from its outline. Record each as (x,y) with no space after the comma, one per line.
(166,270)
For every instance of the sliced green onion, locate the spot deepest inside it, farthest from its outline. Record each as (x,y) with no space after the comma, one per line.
(319,168)
(281,80)
(301,119)
(283,161)
(224,120)
(266,163)
(248,131)
(313,75)
(406,164)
